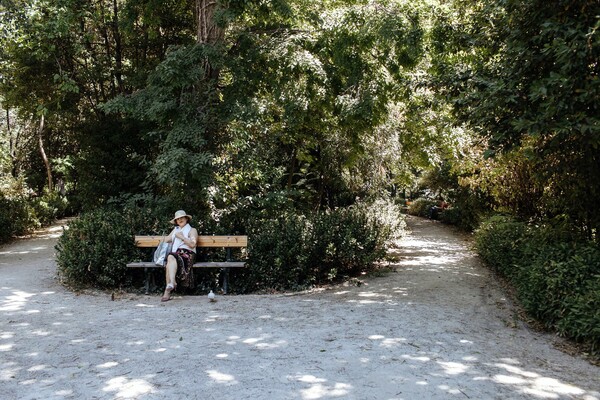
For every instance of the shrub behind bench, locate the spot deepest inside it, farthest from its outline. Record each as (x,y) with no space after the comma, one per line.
(287,252)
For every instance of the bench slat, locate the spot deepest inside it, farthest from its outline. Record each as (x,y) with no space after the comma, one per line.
(212,264)
(203,241)
(220,264)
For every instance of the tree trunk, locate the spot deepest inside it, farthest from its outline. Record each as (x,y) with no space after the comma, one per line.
(12,145)
(118,47)
(208,32)
(43,153)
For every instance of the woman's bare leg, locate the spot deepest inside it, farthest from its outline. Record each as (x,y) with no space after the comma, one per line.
(171,270)
(170,273)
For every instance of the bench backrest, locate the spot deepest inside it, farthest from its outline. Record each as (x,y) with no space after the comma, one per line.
(203,241)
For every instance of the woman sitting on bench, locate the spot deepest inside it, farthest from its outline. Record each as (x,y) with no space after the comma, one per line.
(181,259)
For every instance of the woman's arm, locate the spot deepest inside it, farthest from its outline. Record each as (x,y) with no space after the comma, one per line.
(193,240)
(169,238)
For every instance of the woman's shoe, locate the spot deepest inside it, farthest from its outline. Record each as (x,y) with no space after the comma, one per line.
(167,295)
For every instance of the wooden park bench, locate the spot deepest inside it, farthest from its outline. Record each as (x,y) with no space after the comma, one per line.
(227,242)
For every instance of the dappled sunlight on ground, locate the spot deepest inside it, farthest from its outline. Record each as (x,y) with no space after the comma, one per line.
(15,301)
(533,383)
(320,388)
(435,328)
(50,232)
(125,388)
(222,378)
(290,354)
(23,251)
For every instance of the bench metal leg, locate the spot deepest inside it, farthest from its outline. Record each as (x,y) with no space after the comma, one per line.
(225,272)
(147,283)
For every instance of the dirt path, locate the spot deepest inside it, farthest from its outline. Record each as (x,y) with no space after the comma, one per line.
(438,328)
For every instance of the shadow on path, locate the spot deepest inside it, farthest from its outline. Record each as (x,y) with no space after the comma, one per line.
(437,328)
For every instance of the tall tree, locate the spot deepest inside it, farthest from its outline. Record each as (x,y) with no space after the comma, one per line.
(179,104)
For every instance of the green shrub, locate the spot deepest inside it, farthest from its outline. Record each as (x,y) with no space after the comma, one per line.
(288,252)
(453,216)
(277,254)
(561,286)
(292,252)
(466,218)
(348,241)
(94,250)
(387,215)
(421,206)
(342,242)
(49,207)
(16,216)
(555,272)
(21,211)
(499,242)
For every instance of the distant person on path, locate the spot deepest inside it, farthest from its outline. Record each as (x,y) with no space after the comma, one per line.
(436,210)
(182,256)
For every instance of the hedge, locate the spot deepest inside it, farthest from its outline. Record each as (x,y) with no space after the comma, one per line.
(556,274)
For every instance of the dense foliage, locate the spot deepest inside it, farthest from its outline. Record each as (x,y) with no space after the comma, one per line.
(524,76)
(287,252)
(20,212)
(295,252)
(421,207)
(556,273)
(94,249)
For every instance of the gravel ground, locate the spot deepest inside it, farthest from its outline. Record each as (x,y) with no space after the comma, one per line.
(438,327)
